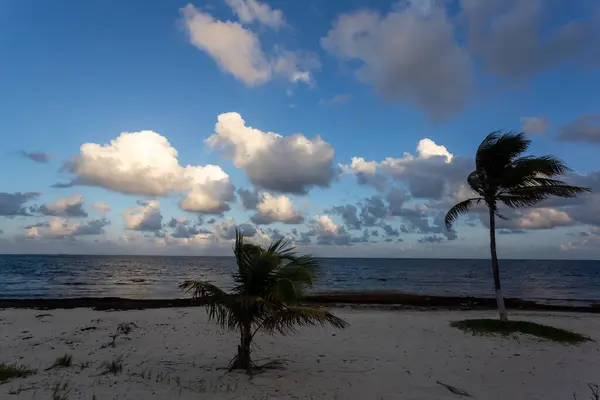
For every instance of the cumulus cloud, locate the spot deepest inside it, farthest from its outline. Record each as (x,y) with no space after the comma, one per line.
(71,206)
(366,173)
(13,204)
(431,174)
(290,164)
(532,219)
(407,56)
(276,234)
(367,213)
(508,36)
(183,228)
(145,163)
(238,51)
(249,11)
(349,214)
(225,229)
(585,129)
(37,156)
(62,228)
(372,210)
(249,198)
(146,216)
(535,125)
(326,232)
(389,231)
(276,209)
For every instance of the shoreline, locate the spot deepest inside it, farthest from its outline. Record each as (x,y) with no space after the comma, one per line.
(379,300)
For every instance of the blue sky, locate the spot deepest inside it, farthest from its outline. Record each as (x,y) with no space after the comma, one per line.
(188,93)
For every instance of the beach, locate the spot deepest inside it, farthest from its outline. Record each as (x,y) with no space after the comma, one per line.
(174,353)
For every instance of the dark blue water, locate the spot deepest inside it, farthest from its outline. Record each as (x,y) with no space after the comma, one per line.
(38,276)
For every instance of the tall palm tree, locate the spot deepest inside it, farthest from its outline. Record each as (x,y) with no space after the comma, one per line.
(268,284)
(503,176)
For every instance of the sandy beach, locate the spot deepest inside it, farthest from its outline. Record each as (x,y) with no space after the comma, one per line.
(175,354)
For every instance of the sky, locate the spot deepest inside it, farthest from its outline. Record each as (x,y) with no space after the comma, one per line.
(348,128)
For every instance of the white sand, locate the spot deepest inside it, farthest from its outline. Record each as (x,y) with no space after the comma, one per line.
(383,355)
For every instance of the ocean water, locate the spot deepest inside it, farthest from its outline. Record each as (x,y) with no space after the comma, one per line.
(145,277)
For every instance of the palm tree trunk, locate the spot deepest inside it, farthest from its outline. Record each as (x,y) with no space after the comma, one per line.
(242,359)
(495,268)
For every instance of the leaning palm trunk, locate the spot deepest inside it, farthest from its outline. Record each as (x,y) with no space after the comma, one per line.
(496,269)
(504,176)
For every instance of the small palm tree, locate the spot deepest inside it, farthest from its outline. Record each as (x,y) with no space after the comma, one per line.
(504,176)
(268,284)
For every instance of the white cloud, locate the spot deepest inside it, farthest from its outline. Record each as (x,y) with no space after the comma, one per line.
(326,232)
(276,209)
(146,216)
(210,190)
(249,11)
(238,50)
(70,206)
(292,164)
(62,228)
(225,229)
(432,173)
(544,218)
(32,232)
(145,163)
(360,165)
(427,148)
(535,125)
(406,55)
(234,48)
(530,219)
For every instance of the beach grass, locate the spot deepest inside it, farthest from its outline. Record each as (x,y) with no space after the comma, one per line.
(10,371)
(113,367)
(486,326)
(60,390)
(63,362)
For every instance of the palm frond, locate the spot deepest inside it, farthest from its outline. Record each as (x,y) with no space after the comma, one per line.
(541,192)
(532,171)
(201,289)
(219,304)
(545,165)
(459,209)
(477,181)
(517,201)
(285,321)
(293,280)
(499,149)
(282,247)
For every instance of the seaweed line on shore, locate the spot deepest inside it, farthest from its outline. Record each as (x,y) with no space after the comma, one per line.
(379,300)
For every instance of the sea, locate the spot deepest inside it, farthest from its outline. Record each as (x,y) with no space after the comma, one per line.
(572,282)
